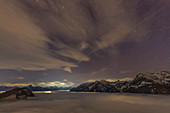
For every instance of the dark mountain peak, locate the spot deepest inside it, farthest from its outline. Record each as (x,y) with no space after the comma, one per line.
(30,86)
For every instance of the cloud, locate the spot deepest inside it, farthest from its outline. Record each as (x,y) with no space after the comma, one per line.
(125,72)
(24,45)
(45,74)
(20,78)
(121,79)
(17,84)
(68,69)
(55,83)
(63,83)
(99,71)
(73,54)
(42,35)
(112,79)
(65,80)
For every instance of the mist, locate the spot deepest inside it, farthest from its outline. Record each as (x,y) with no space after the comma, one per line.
(66,102)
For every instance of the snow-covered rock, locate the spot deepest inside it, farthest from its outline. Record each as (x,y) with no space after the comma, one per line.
(155,83)
(97,86)
(158,82)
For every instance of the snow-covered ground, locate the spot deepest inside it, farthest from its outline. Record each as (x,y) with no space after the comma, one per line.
(71,102)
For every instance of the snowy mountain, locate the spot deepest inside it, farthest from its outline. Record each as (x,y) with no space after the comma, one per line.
(97,86)
(156,83)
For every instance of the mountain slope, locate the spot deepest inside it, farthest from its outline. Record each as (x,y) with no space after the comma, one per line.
(97,86)
(158,82)
(155,83)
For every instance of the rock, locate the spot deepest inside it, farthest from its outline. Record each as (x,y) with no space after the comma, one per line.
(28,92)
(121,86)
(17,93)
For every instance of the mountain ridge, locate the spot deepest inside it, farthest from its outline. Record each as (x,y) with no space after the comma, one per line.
(151,83)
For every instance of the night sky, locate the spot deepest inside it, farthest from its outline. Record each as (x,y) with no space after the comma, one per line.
(67,42)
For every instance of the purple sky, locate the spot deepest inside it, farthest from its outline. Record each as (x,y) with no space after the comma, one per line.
(67,42)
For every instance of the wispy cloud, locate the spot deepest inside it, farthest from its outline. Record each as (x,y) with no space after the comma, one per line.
(43,35)
(65,80)
(112,79)
(17,84)
(63,83)
(20,78)
(99,71)
(120,79)
(68,69)
(32,39)
(24,45)
(56,83)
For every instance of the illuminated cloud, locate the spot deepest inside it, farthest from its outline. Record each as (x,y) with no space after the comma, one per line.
(121,79)
(65,83)
(31,40)
(65,80)
(68,69)
(20,78)
(56,83)
(24,45)
(17,84)
(113,79)
(73,54)
(98,40)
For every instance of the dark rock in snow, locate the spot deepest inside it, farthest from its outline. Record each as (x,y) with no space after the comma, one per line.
(17,93)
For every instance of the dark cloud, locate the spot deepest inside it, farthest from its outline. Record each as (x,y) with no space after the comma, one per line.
(84,36)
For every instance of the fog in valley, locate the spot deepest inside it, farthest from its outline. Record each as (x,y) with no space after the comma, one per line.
(67,102)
